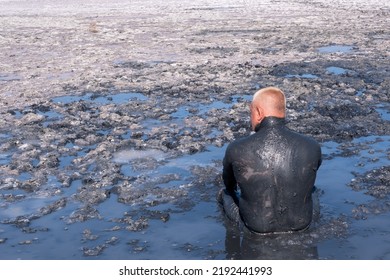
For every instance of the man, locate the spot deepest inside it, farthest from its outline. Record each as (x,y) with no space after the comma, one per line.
(269,176)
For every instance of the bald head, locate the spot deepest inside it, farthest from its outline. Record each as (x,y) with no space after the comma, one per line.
(272,101)
(267,102)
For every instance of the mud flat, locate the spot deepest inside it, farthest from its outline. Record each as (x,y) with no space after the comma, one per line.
(115,117)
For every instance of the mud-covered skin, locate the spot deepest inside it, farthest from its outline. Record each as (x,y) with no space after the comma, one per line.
(275,170)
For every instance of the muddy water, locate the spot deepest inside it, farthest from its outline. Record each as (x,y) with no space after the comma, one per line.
(106,180)
(365,216)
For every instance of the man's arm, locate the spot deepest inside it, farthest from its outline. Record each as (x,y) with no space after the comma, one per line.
(229,178)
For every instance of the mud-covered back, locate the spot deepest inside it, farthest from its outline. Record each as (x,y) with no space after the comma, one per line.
(275,169)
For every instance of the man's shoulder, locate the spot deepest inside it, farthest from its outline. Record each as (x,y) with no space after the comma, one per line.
(305,144)
(303,137)
(238,145)
(242,141)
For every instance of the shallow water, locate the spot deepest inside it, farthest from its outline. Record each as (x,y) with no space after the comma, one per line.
(364,235)
(189,225)
(368,153)
(305,76)
(336,70)
(336,48)
(384,112)
(9,77)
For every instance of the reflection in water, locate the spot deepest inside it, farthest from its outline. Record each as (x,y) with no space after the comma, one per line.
(244,245)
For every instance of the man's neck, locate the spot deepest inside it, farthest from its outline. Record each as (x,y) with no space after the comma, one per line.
(270,121)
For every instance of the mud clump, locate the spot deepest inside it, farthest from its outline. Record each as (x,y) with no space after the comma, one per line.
(375,183)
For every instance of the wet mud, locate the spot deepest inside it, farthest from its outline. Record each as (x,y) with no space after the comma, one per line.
(111,154)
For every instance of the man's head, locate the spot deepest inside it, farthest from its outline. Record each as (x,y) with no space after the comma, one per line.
(267,102)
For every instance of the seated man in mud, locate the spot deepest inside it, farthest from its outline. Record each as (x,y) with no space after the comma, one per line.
(269,176)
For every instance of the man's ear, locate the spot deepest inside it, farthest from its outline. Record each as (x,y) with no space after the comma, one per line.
(259,114)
